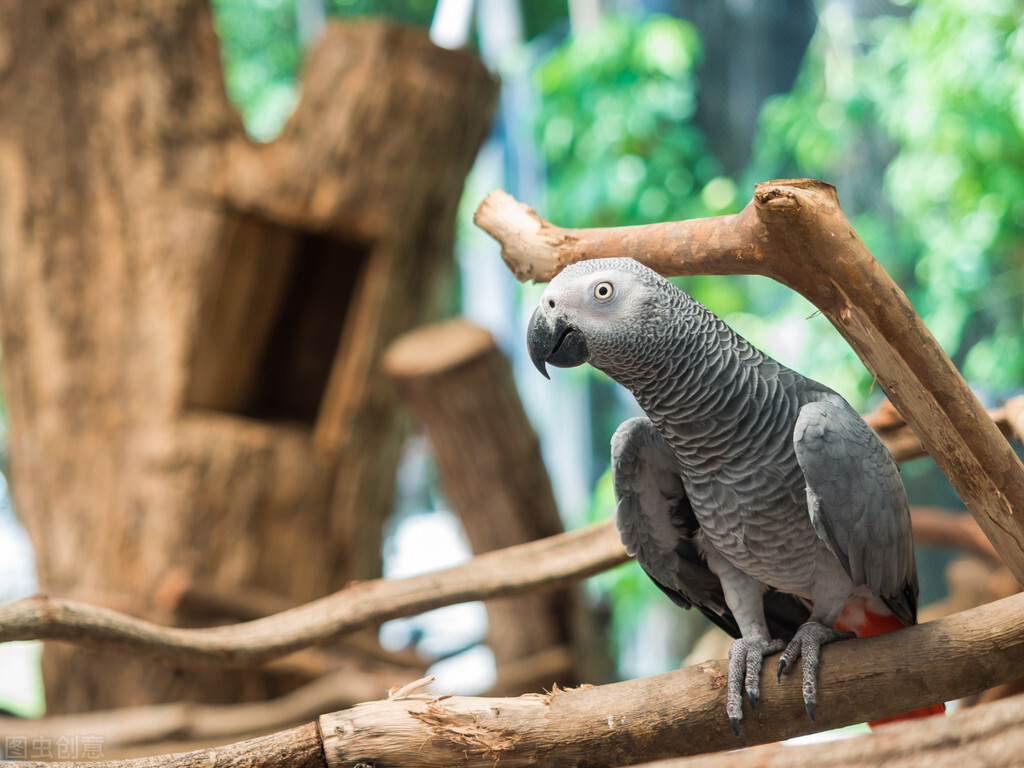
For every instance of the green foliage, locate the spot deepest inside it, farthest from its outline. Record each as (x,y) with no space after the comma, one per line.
(932,103)
(262,54)
(616,131)
(953,99)
(540,16)
(415,12)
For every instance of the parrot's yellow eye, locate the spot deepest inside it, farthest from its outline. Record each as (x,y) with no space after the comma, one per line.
(603,291)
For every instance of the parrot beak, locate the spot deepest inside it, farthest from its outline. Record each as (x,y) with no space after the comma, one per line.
(557,343)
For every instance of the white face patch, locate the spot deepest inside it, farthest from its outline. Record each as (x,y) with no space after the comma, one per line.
(580,292)
(618,307)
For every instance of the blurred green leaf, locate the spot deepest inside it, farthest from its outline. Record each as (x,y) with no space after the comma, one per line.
(615,127)
(932,102)
(262,54)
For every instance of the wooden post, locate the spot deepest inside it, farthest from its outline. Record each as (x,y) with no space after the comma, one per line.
(459,385)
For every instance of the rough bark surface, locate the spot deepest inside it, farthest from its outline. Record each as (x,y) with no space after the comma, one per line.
(191,323)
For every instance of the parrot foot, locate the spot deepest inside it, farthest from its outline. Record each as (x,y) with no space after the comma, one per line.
(806,644)
(745,658)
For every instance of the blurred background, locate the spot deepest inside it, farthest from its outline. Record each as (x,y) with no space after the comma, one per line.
(628,112)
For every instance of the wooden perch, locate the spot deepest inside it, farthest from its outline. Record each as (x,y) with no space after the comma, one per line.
(549,562)
(673,714)
(682,712)
(944,528)
(796,233)
(546,563)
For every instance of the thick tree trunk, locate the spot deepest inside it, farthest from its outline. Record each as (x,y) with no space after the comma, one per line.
(191,323)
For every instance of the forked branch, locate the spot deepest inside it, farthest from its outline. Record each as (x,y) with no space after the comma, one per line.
(796,233)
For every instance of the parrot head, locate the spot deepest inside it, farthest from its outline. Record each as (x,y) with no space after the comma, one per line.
(599,312)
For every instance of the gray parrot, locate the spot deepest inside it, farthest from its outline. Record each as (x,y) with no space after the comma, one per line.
(749,491)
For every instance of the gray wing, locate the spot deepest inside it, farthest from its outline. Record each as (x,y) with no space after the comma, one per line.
(657,525)
(857,502)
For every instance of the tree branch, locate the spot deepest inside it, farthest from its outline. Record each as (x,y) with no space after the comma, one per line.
(682,712)
(545,563)
(903,442)
(944,528)
(796,233)
(676,713)
(183,721)
(992,735)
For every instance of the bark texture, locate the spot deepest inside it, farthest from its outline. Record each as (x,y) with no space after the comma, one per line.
(191,323)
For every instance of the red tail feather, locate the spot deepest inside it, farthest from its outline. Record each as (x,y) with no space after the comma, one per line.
(863,621)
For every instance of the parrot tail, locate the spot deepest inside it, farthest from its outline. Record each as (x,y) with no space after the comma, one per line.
(865,622)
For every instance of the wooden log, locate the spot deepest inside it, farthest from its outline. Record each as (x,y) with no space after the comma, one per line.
(990,736)
(459,386)
(795,232)
(682,712)
(299,747)
(122,730)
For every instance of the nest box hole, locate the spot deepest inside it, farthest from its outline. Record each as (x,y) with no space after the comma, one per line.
(271,320)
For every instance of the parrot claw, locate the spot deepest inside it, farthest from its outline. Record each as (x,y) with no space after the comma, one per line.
(745,658)
(806,644)
(780,669)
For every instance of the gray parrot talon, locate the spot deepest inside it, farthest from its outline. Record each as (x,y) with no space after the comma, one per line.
(746,655)
(735,722)
(806,644)
(780,669)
